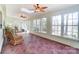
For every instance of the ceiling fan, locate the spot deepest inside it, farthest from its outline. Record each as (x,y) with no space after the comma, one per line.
(39,8)
(22,16)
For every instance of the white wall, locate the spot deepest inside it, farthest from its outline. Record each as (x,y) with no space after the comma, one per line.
(1,39)
(3,11)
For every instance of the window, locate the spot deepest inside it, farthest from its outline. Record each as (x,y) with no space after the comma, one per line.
(0,20)
(71,25)
(43,25)
(24,26)
(56,25)
(38,25)
(27,25)
(34,25)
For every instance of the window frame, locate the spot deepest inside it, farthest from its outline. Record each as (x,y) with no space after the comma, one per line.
(56,25)
(43,25)
(67,25)
(62,26)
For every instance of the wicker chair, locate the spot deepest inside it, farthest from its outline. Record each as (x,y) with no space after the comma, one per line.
(13,39)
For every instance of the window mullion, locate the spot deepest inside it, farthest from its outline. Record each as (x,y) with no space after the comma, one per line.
(67,24)
(62,25)
(78,25)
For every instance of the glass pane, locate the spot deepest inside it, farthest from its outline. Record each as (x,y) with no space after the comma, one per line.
(75,21)
(70,28)
(54,17)
(43,25)
(38,25)
(59,28)
(52,22)
(75,35)
(43,20)
(70,16)
(59,22)
(75,28)
(69,33)
(59,19)
(65,19)
(38,22)
(59,32)
(75,15)
(56,27)
(55,22)
(34,22)
(55,33)
(53,27)
(34,25)
(69,22)
(53,30)
(52,33)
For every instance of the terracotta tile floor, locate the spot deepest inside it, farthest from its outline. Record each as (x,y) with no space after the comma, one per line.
(36,45)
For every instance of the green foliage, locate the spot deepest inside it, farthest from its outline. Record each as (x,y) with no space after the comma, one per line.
(9,29)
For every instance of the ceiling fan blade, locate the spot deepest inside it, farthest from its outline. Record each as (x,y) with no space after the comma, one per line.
(35,6)
(42,10)
(44,7)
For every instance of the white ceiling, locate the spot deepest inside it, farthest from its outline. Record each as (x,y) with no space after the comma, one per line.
(13,9)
